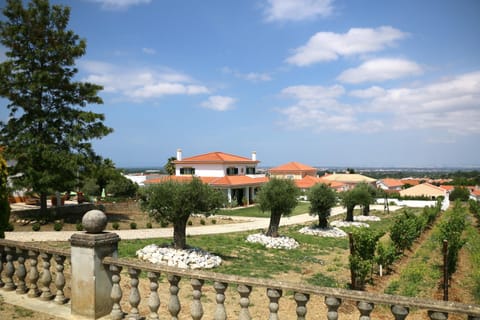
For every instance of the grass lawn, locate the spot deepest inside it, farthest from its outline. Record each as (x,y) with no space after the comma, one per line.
(254,211)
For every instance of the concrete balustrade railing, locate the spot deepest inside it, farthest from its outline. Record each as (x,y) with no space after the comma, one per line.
(38,272)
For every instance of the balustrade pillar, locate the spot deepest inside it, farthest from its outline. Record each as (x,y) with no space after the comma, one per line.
(273,295)
(365,309)
(437,315)
(45,277)
(134,298)
(301,299)
(153,299)
(220,312)
(91,282)
(174,303)
(60,279)
(333,303)
(21,272)
(33,275)
(116,293)
(196,308)
(9,270)
(399,312)
(244,292)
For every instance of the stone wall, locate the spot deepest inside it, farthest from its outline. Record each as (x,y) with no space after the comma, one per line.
(71,213)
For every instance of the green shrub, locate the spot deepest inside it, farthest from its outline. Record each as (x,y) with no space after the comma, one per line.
(202,222)
(190,223)
(79,226)
(214,221)
(362,258)
(133,225)
(385,256)
(405,229)
(57,226)
(149,225)
(36,226)
(319,279)
(163,224)
(10,227)
(115,225)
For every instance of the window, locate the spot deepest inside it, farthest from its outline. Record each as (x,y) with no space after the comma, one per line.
(187,171)
(250,170)
(232,171)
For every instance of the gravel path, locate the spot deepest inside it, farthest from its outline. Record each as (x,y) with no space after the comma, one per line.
(251,224)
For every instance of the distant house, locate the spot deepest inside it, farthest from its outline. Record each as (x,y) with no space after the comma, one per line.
(390,185)
(424,190)
(475,194)
(235,175)
(293,170)
(350,180)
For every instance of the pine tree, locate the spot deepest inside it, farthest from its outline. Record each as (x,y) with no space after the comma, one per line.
(48,133)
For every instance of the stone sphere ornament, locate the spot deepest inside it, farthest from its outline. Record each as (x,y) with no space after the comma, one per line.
(94,221)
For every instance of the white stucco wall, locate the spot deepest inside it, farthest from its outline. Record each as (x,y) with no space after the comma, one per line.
(212,170)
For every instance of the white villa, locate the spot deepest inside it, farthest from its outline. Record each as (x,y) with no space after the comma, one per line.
(235,175)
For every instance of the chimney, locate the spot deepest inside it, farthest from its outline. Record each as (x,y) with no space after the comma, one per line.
(179,154)
(254,156)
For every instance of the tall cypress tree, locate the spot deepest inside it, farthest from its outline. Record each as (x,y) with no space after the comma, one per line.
(48,132)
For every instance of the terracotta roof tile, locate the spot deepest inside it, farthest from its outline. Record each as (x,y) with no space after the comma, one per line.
(293,166)
(216,157)
(389,182)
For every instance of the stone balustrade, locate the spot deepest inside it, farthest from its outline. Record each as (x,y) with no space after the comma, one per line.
(38,272)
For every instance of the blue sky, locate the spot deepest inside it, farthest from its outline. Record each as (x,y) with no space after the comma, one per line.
(325,83)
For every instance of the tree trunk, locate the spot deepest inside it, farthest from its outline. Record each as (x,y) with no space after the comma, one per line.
(350,214)
(322,221)
(179,234)
(366,210)
(43,204)
(274,224)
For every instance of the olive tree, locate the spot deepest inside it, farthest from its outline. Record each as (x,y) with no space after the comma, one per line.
(174,202)
(279,196)
(322,199)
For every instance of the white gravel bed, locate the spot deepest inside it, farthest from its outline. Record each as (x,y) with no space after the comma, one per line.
(324,232)
(366,218)
(273,243)
(349,224)
(192,258)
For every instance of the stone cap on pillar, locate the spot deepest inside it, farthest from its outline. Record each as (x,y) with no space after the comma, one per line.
(94,240)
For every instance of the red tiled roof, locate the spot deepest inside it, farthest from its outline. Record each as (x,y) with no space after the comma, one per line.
(292,167)
(309,181)
(227,181)
(216,157)
(447,187)
(391,183)
(412,182)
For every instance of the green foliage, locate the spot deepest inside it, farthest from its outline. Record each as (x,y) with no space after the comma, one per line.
(405,230)
(279,196)
(202,222)
(322,200)
(57,226)
(47,131)
(174,202)
(451,229)
(79,226)
(149,225)
(169,167)
(363,255)
(363,194)
(115,225)
(459,193)
(321,280)
(190,222)
(36,226)
(214,221)
(474,207)
(121,186)
(133,225)
(386,255)
(4,204)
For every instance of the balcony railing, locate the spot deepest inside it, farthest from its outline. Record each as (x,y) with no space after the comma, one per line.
(40,272)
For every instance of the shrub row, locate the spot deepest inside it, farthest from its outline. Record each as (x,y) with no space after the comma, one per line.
(451,229)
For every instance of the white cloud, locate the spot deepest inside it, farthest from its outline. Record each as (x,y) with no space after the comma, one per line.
(450,106)
(138,84)
(219,103)
(380,70)
(328,46)
(149,51)
(120,4)
(295,10)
